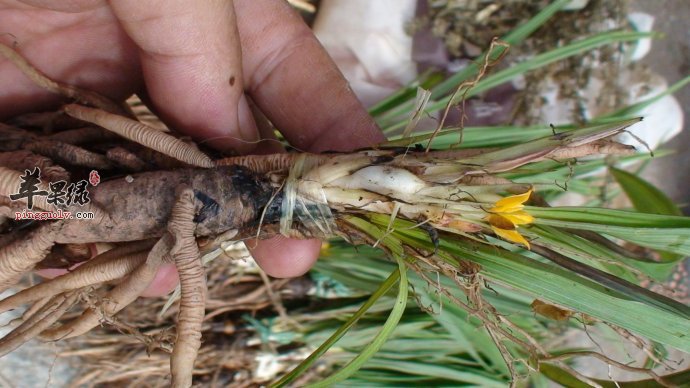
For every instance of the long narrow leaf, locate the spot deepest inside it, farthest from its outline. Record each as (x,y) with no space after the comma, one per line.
(562,287)
(387,329)
(342,330)
(395,119)
(665,233)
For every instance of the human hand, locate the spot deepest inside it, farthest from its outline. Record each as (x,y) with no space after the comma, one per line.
(194,64)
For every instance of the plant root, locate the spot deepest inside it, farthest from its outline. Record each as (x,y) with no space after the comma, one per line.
(193,290)
(69,91)
(10,181)
(118,298)
(20,256)
(108,266)
(21,139)
(38,322)
(48,122)
(82,135)
(23,159)
(69,154)
(155,159)
(126,159)
(142,134)
(35,308)
(262,164)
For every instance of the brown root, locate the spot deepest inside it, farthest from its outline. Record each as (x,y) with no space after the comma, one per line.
(142,134)
(35,308)
(144,114)
(193,290)
(118,298)
(46,121)
(82,135)
(9,184)
(8,210)
(69,91)
(38,322)
(69,154)
(21,255)
(65,256)
(23,159)
(105,267)
(156,159)
(261,164)
(13,138)
(126,159)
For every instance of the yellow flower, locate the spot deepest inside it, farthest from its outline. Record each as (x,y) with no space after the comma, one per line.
(507,214)
(325,249)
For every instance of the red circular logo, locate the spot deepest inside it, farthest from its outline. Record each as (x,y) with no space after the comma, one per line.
(94,178)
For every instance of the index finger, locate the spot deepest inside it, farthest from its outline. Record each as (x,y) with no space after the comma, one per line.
(296,84)
(192,64)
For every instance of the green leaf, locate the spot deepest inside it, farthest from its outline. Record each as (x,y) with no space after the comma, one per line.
(511,157)
(648,199)
(583,250)
(662,232)
(634,109)
(515,37)
(645,197)
(396,118)
(626,289)
(560,286)
(386,331)
(441,371)
(309,361)
(560,376)
(400,102)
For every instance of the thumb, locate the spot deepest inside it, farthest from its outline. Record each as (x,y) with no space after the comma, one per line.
(192,64)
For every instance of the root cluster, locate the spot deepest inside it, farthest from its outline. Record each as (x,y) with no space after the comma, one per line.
(95,134)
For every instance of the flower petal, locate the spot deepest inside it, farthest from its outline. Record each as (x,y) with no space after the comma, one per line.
(511,235)
(500,222)
(519,218)
(512,203)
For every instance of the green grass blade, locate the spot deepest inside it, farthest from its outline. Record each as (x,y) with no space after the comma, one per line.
(387,329)
(510,157)
(514,38)
(628,290)
(567,289)
(560,376)
(599,256)
(309,361)
(609,217)
(634,109)
(644,197)
(662,232)
(562,287)
(400,96)
(558,54)
(583,250)
(440,371)
(459,325)
(392,120)
(647,199)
